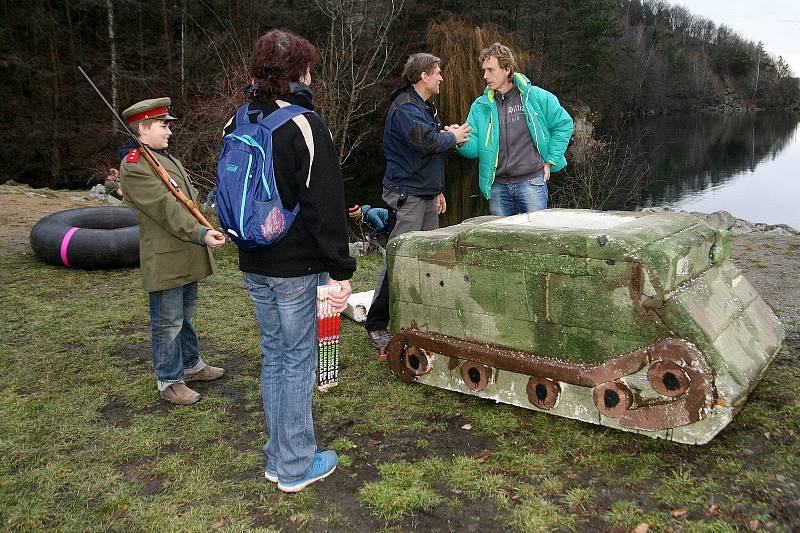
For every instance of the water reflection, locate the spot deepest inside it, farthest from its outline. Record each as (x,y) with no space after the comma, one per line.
(689,154)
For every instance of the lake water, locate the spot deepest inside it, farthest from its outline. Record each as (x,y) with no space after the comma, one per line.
(747,164)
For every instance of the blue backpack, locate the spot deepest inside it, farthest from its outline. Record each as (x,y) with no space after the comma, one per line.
(249,206)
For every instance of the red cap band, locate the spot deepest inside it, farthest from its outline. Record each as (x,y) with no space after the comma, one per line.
(150,113)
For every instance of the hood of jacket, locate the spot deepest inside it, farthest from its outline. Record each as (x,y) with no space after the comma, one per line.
(520,80)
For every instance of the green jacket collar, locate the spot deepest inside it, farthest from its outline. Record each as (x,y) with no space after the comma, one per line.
(520,80)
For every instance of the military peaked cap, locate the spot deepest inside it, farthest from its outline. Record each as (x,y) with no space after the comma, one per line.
(155,108)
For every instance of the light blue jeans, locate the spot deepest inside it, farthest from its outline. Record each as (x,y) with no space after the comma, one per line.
(286,314)
(175,350)
(522,197)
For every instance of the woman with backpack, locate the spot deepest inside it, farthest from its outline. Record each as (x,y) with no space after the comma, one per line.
(282,278)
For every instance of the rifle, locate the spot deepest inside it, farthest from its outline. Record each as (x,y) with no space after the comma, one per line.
(153,161)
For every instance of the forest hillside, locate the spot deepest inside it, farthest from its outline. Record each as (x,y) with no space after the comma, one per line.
(598,56)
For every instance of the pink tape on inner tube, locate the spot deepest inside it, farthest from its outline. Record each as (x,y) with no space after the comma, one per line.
(65,245)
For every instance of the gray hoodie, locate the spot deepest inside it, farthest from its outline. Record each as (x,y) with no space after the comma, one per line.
(518,159)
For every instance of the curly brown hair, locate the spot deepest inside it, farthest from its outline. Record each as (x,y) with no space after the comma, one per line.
(279,58)
(505,58)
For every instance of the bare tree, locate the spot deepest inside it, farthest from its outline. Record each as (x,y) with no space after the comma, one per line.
(356,57)
(73,55)
(782,68)
(166,36)
(140,35)
(201,128)
(606,173)
(758,52)
(680,21)
(114,77)
(55,107)
(183,50)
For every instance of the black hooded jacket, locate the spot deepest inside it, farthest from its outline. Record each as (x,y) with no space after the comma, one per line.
(317,240)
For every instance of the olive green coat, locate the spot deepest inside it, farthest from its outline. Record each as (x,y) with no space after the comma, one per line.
(170,239)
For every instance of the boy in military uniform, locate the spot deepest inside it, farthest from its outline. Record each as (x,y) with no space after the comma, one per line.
(173,249)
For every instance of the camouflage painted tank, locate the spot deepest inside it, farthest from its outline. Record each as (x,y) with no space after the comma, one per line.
(634,321)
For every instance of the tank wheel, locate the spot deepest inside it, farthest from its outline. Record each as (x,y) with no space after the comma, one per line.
(396,350)
(612,398)
(475,375)
(416,360)
(668,378)
(543,392)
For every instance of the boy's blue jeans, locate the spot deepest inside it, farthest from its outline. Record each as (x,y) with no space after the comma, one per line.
(175,350)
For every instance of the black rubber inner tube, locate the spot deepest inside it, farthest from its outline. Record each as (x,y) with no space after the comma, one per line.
(90,238)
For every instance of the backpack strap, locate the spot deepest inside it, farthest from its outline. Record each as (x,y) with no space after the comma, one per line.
(243,115)
(295,113)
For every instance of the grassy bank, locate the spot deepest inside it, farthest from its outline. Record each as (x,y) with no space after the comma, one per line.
(86,444)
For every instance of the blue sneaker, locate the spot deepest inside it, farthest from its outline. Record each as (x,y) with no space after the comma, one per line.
(271,475)
(323,466)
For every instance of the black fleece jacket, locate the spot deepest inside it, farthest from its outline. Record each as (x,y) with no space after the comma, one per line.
(317,239)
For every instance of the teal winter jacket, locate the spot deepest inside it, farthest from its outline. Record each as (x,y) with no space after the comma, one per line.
(549,123)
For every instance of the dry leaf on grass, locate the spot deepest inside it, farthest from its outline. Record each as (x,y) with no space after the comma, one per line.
(481,457)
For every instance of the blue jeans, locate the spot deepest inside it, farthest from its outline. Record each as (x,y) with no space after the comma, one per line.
(522,197)
(286,312)
(175,349)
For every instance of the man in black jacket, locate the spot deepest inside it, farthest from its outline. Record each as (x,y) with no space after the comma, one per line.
(414,144)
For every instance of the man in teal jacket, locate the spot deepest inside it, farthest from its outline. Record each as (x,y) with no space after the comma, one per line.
(519,135)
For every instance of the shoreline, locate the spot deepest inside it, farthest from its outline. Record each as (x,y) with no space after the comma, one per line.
(30,205)
(725,220)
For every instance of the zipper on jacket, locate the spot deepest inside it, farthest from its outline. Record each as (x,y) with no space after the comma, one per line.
(497,153)
(502,128)
(535,131)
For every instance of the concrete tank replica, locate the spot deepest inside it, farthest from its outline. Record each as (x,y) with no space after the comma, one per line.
(636,321)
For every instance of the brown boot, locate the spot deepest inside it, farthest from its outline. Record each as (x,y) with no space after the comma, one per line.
(208,373)
(180,394)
